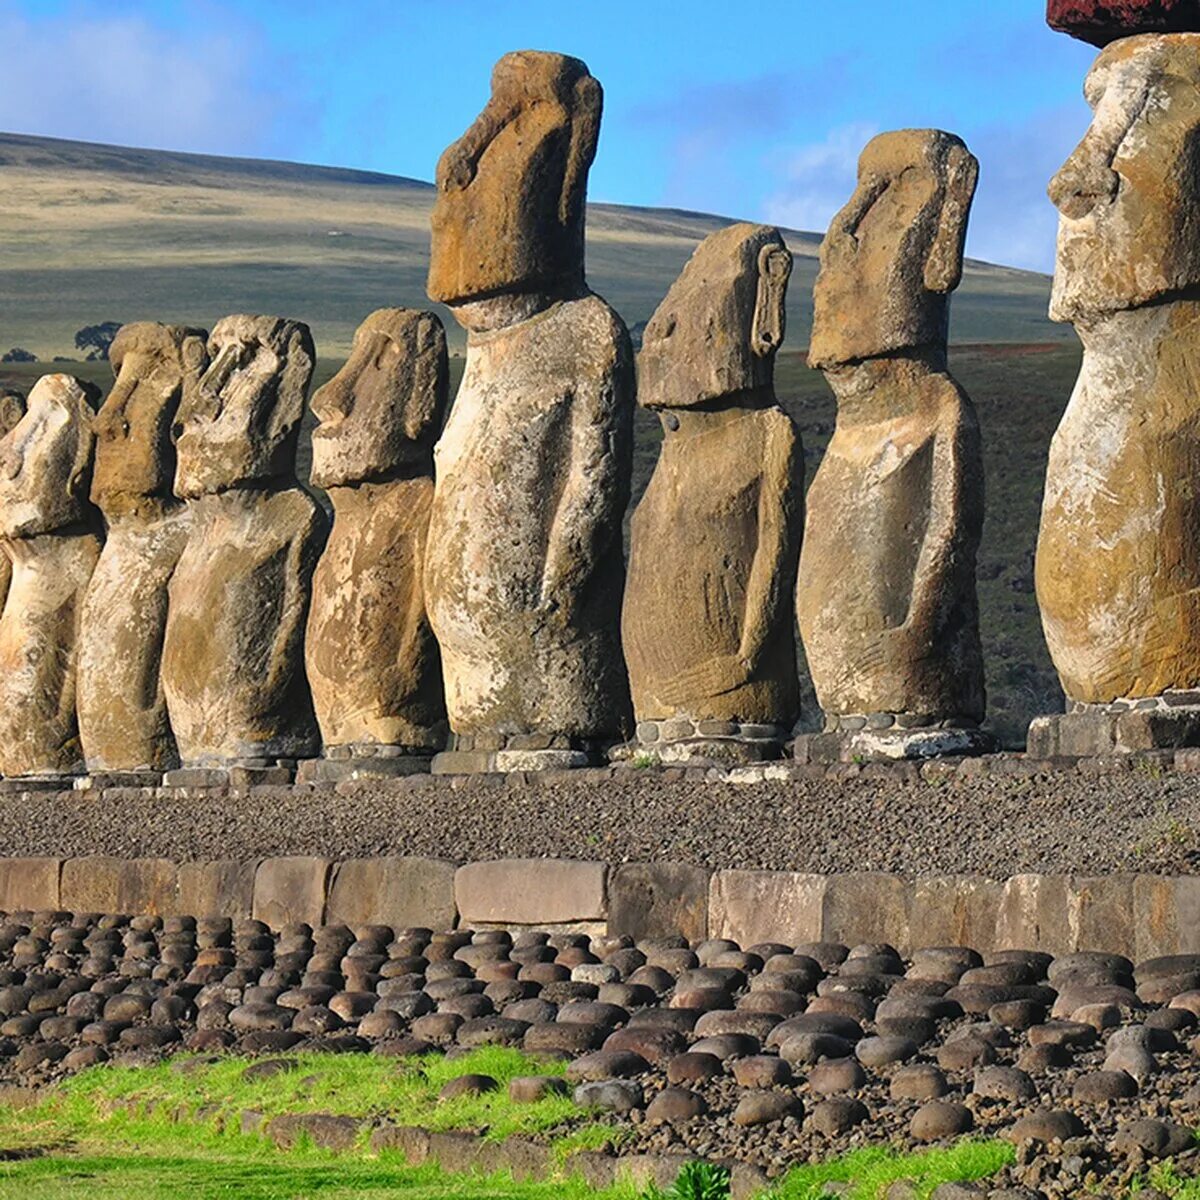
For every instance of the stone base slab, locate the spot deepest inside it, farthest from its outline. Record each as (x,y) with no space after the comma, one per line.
(99,780)
(1098,730)
(237,777)
(318,771)
(890,745)
(19,785)
(484,762)
(679,741)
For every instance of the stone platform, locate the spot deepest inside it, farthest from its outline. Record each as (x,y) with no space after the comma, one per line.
(1167,722)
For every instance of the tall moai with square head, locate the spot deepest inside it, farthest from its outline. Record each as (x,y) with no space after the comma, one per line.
(707,619)
(51,535)
(372,659)
(1118,558)
(886,597)
(524,568)
(123,719)
(233,655)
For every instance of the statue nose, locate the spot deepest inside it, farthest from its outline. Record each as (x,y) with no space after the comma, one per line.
(1085,181)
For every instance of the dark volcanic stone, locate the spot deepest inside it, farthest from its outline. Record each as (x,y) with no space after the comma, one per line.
(1046,1125)
(1103,21)
(467,1085)
(940,1119)
(1102,1087)
(761,1071)
(761,1108)
(831,1118)
(674,1105)
(693,1068)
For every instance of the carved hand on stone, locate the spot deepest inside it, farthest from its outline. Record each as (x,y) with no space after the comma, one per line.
(714,677)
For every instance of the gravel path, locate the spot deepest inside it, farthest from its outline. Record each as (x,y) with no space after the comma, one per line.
(994,826)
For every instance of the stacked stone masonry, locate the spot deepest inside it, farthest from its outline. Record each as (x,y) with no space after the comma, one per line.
(1141,916)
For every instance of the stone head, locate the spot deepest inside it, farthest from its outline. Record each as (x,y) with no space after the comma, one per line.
(241,420)
(46,459)
(509,213)
(894,253)
(153,366)
(12,408)
(1129,195)
(383,410)
(718,328)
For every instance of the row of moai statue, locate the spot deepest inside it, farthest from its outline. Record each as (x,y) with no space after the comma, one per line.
(175,598)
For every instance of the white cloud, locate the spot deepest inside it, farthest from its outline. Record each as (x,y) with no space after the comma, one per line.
(121,79)
(819,179)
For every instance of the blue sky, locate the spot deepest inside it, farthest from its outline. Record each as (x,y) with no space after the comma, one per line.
(756,112)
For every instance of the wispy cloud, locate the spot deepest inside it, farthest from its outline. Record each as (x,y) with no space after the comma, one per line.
(818,179)
(124,79)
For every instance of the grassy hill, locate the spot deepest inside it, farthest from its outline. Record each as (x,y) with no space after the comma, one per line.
(93,233)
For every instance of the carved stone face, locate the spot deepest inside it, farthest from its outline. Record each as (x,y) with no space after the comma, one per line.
(510,206)
(241,421)
(894,252)
(384,408)
(12,409)
(45,459)
(1129,195)
(718,328)
(153,365)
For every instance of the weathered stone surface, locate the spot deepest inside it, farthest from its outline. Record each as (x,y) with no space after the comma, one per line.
(233,656)
(12,409)
(397,892)
(867,906)
(1101,913)
(118,885)
(530,891)
(660,898)
(123,720)
(1118,565)
(31,883)
(224,888)
(886,597)
(1103,21)
(956,910)
(715,540)
(759,906)
(524,569)
(1034,914)
(372,660)
(50,537)
(287,890)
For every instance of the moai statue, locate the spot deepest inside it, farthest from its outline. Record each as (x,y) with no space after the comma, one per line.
(1118,557)
(122,710)
(707,620)
(886,596)
(233,657)
(524,569)
(372,660)
(12,409)
(51,536)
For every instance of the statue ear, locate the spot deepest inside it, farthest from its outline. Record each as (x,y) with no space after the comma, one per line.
(293,384)
(588,102)
(80,479)
(943,266)
(767,328)
(430,380)
(193,357)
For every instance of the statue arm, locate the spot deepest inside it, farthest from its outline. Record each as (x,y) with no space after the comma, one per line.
(287,648)
(591,505)
(771,576)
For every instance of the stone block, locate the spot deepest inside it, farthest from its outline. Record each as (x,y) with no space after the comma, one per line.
(764,906)
(1034,914)
(1103,21)
(526,1159)
(291,889)
(399,892)
(531,891)
(867,906)
(1101,913)
(1166,915)
(322,1129)
(224,888)
(118,885)
(654,899)
(955,910)
(410,1140)
(31,883)
(1157,730)
(457,1153)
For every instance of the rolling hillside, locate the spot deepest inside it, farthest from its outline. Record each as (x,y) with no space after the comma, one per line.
(91,233)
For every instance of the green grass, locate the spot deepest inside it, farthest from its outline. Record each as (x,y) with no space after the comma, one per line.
(872,1170)
(404,1091)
